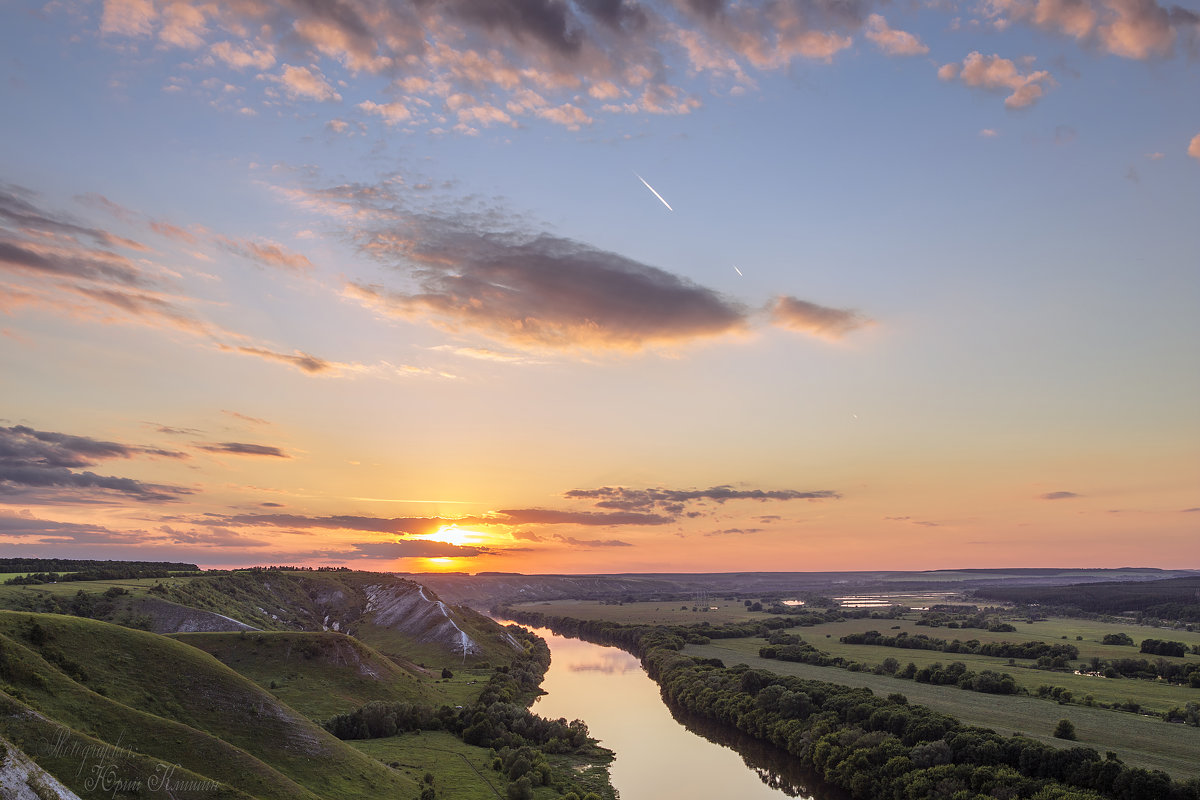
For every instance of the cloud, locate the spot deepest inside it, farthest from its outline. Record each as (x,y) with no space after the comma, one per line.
(805,317)
(416,548)
(591,542)
(305,362)
(393,113)
(267,253)
(245,417)
(243,449)
(1134,29)
(734,531)
(212,536)
(893,42)
(673,501)
(542,291)
(547,516)
(412,526)
(988,133)
(63,265)
(24,526)
(33,459)
(1058,496)
(302,83)
(993,73)
(1194,147)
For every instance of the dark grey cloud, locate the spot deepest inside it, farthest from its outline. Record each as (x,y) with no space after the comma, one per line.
(412,526)
(805,317)
(212,536)
(550,516)
(542,290)
(33,459)
(1057,496)
(673,501)
(416,548)
(243,449)
(1190,510)
(29,528)
(732,531)
(616,14)
(591,542)
(548,22)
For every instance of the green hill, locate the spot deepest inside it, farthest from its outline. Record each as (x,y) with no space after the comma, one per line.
(317,674)
(174,703)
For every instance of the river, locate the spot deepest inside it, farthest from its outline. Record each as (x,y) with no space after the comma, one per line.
(657,753)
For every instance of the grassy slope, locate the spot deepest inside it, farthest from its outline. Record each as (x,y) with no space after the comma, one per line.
(1140,741)
(77,759)
(169,696)
(318,674)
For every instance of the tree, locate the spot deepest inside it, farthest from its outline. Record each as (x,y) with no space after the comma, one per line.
(1065,730)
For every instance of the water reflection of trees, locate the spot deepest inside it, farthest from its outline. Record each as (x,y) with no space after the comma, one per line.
(774,767)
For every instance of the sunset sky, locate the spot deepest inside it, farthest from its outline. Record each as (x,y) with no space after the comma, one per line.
(601,285)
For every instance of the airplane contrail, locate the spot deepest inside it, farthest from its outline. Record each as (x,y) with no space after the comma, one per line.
(735,269)
(656,194)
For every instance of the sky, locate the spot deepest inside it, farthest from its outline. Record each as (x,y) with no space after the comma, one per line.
(575,286)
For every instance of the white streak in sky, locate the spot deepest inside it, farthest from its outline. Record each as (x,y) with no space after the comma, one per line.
(656,194)
(738,271)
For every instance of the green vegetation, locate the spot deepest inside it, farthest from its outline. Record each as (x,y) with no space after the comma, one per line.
(1065,730)
(317,674)
(867,745)
(523,742)
(241,713)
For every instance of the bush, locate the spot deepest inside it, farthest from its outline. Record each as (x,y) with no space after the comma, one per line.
(1065,730)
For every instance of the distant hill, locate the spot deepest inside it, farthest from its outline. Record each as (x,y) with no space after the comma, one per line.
(487,589)
(1173,598)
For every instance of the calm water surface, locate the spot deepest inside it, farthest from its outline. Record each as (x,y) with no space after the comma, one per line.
(658,756)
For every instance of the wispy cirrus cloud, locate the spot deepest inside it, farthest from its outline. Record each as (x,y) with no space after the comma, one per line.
(1058,496)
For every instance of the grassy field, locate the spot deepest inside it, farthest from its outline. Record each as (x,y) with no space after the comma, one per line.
(463,772)
(1151,695)
(1138,740)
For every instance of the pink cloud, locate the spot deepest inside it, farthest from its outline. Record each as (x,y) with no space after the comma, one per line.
(993,73)
(1134,29)
(891,41)
(128,17)
(1194,147)
(307,84)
